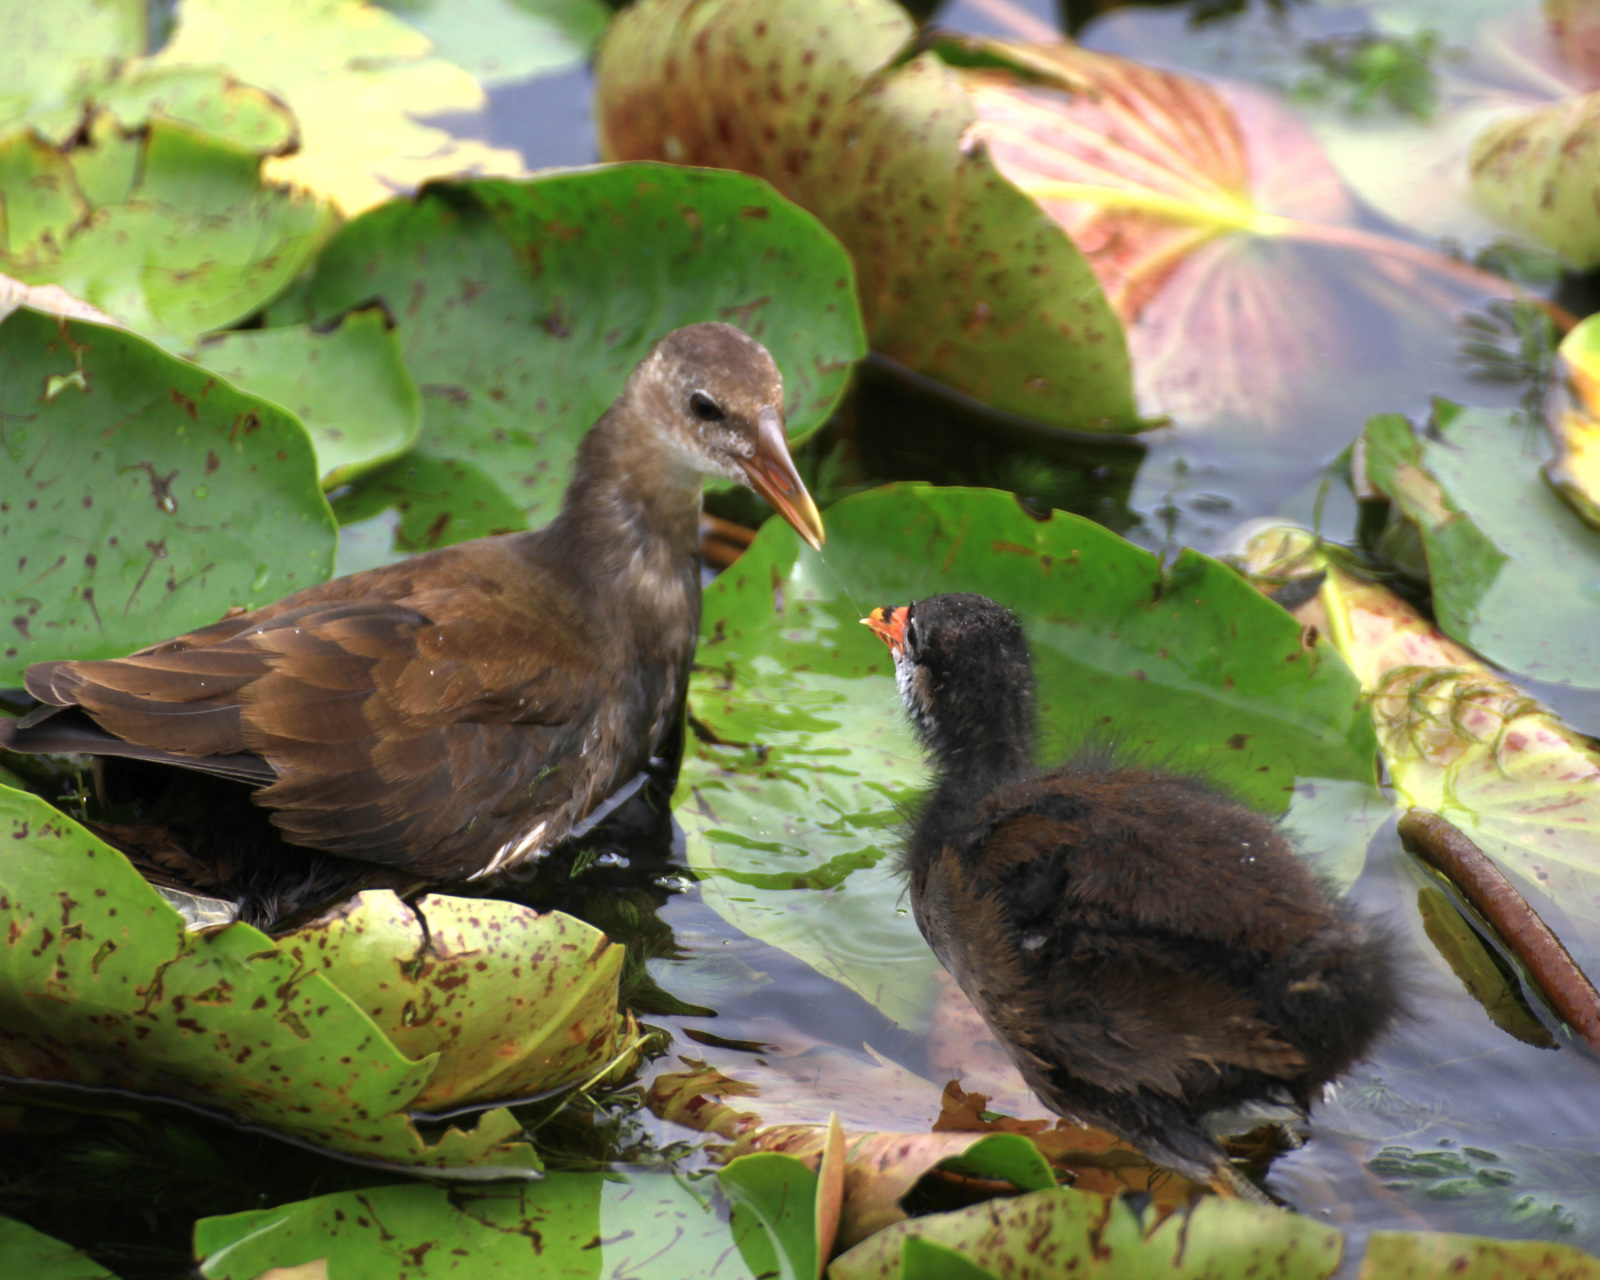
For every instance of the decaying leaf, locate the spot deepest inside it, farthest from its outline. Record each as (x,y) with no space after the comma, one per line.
(101,985)
(961,277)
(357,79)
(1438,1255)
(1539,173)
(1575,425)
(1463,742)
(514,1002)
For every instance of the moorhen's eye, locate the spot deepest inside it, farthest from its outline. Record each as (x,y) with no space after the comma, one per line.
(705,408)
(909,635)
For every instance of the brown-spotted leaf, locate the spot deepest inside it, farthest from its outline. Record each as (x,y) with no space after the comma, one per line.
(514,1003)
(961,277)
(1539,173)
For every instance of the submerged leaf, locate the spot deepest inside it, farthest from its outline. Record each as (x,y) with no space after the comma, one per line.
(139,496)
(962,278)
(1575,470)
(348,385)
(1513,572)
(1487,980)
(801,763)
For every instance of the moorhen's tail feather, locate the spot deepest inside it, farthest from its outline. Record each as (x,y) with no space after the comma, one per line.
(70,733)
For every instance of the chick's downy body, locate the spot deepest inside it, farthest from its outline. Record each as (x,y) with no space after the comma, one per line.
(1150,953)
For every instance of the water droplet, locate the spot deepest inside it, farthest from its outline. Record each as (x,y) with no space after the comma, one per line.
(263,576)
(202,491)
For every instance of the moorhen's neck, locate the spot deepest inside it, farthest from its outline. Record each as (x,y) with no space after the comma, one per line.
(631,507)
(980,733)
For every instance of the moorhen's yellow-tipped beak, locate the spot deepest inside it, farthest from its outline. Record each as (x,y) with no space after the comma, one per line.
(771,474)
(889,625)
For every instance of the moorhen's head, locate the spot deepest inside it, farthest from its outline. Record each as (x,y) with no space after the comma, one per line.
(961,663)
(714,397)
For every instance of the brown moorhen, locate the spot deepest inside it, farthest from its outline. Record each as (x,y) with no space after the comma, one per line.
(456,714)
(1149,952)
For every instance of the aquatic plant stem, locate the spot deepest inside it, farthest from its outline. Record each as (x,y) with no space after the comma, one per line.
(1568,989)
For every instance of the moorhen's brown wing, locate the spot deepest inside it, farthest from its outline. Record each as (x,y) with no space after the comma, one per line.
(430,723)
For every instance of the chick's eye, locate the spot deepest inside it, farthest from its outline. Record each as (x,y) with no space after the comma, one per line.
(910,635)
(705,408)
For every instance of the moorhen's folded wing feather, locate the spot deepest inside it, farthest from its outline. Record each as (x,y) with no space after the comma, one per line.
(386,740)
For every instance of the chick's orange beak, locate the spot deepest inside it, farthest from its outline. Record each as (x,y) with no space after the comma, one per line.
(889,625)
(771,474)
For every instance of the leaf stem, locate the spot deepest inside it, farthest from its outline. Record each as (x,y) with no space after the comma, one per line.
(1565,985)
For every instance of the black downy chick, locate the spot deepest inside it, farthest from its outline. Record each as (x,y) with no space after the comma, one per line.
(1149,952)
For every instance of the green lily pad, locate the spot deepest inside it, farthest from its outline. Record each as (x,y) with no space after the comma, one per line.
(922,1259)
(416,503)
(1514,572)
(100,985)
(523,307)
(1007,1157)
(30,1253)
(170,232)
(1438,1255)
(514,1003)
(963,277)
(503,41)
(780,1192)
(1539,173)
(55,56)
(583,1225)
(1089,1235)
(800,761)
(208,100)
(348,385)
(139,496)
